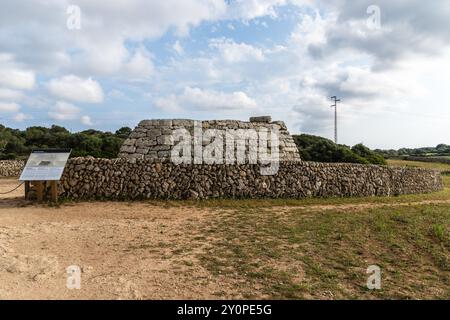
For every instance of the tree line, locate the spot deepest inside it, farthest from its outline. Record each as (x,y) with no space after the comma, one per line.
(17,144)
(314,148)
(440,150)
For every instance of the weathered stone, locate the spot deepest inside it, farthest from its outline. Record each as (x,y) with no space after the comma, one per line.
(147,123)
(193,195)
(142,151)
(154,133)
(167,131)
(129,142)
(135,135)
(137,178)
(182,123)
(136,156)
(165,123)
(263,119)
(128,149)
(11,168)
(163,154)
(158,137)
(167,140)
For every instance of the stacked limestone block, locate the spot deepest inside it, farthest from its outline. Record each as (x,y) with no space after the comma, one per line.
(89,178)
(11,168)
(153,140)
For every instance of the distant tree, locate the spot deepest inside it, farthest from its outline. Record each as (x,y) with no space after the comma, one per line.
(368,154)
(443,149)
(59,130)
(439,150)
(123,132)
(15,146)
(18,144)
(314,148)
(111,145)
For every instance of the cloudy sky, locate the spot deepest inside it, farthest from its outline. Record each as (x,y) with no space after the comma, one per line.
(128,60)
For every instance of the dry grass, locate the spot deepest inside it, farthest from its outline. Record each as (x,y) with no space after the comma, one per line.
(320,248)
(299,254)
(446,179)
(418,164)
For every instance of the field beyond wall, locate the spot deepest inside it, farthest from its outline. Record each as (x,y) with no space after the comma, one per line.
(222,249)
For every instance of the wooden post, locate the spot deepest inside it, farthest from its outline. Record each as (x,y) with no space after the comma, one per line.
(40,191)
(54,190)
(27,189)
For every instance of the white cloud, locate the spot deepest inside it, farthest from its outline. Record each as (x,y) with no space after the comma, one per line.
(250,9)
(73,88)
(9,107)
(19,117)
(312,112)
(361,81)
(312,29)
(9,94)
(233,52)
(116,94)
(290,73)
(178,47)
(140,66)
(169,104)
(296,77)
(197,98)
(13,76)
(86,120)
(64,111)
(100,47)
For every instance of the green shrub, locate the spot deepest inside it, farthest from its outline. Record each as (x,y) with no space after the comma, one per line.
(18,144)
(314,148)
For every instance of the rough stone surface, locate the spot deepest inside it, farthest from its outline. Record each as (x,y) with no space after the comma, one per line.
(266,119)
(11,168)
(151,137)
(88,178)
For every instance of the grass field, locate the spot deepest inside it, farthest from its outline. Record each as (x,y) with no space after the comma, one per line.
(301,253)
(417,164)
(326,245)
(227,249)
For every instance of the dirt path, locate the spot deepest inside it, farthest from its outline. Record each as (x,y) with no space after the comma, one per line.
(125,250)
(364,206)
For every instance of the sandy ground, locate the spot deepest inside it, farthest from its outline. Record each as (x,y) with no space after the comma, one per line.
(125,251)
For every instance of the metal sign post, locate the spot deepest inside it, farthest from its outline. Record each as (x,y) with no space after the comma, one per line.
(44,169)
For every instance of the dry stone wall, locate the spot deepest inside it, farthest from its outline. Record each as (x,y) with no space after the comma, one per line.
(153,139)
(89,178)
(11,168)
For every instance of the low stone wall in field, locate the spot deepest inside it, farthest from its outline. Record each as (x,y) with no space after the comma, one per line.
(88,178)
(11,168)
